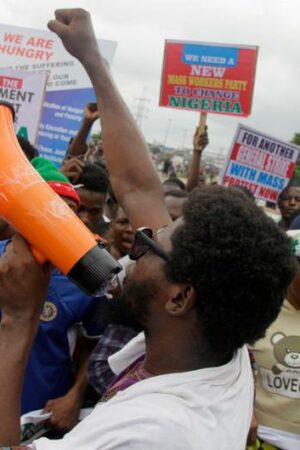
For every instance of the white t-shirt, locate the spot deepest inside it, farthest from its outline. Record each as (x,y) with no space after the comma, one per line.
(207,409)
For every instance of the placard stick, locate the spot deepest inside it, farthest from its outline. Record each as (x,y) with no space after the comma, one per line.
(202,123)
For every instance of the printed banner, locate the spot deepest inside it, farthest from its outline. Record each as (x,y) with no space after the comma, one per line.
(259,162)
(68,86)
(25,91)
(213,78)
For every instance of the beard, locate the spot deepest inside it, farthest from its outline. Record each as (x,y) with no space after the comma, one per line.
(131,309)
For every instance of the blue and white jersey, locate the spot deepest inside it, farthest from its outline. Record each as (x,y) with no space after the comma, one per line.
(49,368)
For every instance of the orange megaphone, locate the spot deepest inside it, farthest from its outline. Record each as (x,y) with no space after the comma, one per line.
(42,217)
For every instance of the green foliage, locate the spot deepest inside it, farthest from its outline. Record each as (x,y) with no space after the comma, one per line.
(296,139)
(96,137)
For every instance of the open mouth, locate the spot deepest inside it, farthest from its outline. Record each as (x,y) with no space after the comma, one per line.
(127,243)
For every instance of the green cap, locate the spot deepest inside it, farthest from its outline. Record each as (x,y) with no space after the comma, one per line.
(48,170)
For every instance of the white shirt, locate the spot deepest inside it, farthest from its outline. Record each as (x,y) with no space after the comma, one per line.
(207,409)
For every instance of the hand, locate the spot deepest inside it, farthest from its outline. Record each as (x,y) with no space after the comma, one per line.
(75,29)
(200,141)
(65,411)
(90,113)
(72,169)
(23,282)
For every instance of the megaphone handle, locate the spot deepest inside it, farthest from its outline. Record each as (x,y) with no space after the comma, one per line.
(38,255)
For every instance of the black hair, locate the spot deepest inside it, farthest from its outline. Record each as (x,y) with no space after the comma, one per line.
(238,261)
(245,190)
(94,177)
(174,180)
(29,150)
(178,193)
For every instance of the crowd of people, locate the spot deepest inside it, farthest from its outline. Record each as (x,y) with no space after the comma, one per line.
(195,344)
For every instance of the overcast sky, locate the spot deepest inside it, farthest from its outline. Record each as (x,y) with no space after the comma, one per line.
(140,28)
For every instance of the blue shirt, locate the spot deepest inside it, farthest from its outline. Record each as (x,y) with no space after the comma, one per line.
(49,369)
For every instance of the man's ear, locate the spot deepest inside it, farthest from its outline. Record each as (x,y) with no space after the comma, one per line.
(181,301)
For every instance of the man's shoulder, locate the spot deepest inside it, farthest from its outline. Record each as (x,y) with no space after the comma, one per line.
(135,426)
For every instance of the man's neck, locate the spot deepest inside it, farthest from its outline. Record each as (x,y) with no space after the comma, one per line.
(170,355)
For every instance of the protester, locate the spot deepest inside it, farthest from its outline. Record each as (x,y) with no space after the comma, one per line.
(168,168)
(29,150)
(91,183)
(78,146)
(173,182)
(200,142)
(202,287)
(288,203)
(121,327)
(174,202)
(50,382)
(121,234)
(277,358)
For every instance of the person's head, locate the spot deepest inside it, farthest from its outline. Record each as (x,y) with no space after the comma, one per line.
(57,181)
(92,188)
(245,190)
(223,280)
(121,232)
(288,202)
(174,202)
(173,183)
(29,150)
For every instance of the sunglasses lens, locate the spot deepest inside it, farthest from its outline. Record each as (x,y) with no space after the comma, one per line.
(140,247)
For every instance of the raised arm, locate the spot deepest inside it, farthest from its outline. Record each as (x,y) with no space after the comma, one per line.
(200,141)
(78,146)
(133,177)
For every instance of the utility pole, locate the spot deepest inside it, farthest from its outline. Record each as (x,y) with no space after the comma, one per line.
(167,131)
(141,108)
(183,138)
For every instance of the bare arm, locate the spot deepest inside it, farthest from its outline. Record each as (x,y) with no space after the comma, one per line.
(23,286)
(14,349)
(199,144)
(133,177)
(78,146)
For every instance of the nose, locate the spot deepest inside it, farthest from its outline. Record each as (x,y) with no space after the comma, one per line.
(292,201)
(295,356)
(128,228)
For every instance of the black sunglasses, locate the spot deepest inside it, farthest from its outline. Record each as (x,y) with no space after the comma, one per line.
(143,242)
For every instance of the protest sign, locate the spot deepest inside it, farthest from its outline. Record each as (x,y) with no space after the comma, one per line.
(260,163)
(25,91)
(212,78)
(68,86)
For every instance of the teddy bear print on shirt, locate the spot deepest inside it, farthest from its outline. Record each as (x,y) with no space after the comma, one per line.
(287,353)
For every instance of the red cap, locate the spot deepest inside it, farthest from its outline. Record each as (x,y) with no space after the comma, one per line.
(65,189)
